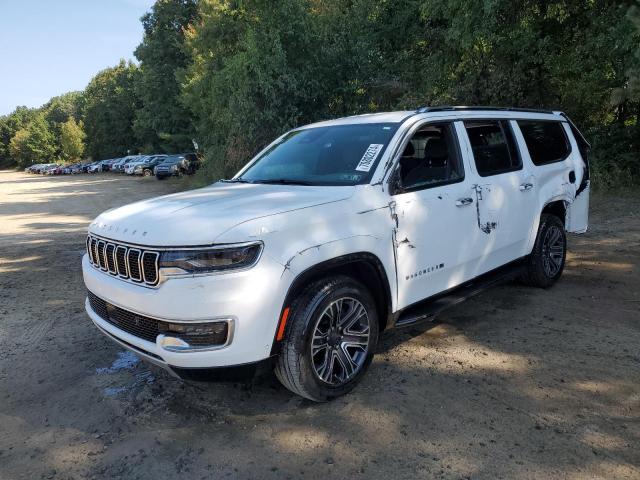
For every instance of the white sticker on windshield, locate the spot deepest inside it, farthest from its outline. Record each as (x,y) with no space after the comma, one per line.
(369,157)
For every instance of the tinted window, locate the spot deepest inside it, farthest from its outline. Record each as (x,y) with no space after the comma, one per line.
(431,158)
(332,155)
(493,146)
(546,141)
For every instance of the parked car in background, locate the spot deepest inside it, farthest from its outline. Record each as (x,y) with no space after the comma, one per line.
(176,165)
(335,232)
(120,164)
(128,168)
(75,168)
(146,167)
(106,164)
(55,169)
(95,167)
(43,167)
(35,168)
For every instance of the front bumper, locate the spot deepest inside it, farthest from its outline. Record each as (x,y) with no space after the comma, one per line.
(253,298)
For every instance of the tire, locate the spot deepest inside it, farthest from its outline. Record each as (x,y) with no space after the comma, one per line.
(546,262)
(147,173)
(313,312)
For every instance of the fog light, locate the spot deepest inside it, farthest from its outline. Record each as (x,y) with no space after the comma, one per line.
(185,337)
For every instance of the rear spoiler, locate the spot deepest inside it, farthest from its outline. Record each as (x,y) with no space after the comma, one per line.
(582,142)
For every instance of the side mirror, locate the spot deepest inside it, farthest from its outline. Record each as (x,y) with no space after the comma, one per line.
(399,174)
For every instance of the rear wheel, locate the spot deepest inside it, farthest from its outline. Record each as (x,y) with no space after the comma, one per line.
(147,173)
(546,262)
(330,336)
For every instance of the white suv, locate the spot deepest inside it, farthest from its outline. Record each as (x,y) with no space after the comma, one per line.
(335,232)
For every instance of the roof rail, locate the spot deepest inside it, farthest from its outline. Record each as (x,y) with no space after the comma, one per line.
(448,108)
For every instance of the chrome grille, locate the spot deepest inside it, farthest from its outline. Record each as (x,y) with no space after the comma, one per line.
(135,264)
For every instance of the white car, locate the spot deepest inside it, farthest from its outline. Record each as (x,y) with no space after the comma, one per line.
(95,167)
(335,232)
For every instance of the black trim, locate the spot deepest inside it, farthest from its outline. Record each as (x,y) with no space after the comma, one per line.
(449,108)
(231,373)
(428,308)
(132,347)
(583,147)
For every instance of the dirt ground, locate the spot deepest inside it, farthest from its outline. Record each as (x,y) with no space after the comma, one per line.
(515,383)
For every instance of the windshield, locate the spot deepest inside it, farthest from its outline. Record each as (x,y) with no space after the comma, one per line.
(333,155)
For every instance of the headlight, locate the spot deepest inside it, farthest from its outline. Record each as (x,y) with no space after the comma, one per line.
(180,262)
(174,167)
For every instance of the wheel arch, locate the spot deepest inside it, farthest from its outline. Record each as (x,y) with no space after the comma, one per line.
(364,267)
(557,208)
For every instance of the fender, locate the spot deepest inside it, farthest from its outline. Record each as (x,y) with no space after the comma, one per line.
(364,266)
(564,198)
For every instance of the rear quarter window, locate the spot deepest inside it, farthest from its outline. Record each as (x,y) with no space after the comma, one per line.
(547,142)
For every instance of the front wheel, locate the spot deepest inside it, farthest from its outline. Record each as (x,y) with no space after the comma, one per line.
(331,332)
(147,173)
(546,262)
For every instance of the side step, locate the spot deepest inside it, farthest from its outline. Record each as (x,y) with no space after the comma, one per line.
(426,310)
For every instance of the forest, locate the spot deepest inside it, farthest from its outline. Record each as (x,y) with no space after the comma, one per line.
(234,74)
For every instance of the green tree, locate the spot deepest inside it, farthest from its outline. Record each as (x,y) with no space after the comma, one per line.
(163,123)
(72,139)
(110,106)
(33,144)
(9,126)
(59,110)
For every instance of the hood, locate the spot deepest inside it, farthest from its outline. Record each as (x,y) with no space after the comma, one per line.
(198,217)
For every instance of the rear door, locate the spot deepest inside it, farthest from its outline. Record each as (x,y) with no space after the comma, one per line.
(505,191)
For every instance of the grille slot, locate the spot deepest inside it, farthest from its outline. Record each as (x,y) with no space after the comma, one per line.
(150,267)
(90,250)
(111,260)
(137,265)
(149,328)
(102,262)
(133,261)
(121,261)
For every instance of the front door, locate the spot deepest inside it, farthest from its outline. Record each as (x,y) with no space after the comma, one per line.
(436,234)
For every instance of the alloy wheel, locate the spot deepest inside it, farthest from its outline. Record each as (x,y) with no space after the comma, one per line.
(340,341)
(552,251)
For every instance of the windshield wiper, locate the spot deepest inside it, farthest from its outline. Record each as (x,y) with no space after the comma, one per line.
(235,180)
(283,181)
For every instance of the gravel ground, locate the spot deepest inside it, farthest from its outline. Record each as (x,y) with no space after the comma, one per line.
(515,383)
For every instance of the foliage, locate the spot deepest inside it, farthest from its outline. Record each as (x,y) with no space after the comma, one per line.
(254,76)
(110,106)
(163,123)
(33,144)
(234,74)
(72,138)
(59,110)
(9,126)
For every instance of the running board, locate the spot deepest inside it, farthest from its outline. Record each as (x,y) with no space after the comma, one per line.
(426,310)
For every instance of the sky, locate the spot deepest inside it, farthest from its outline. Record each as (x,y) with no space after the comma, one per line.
(50,47)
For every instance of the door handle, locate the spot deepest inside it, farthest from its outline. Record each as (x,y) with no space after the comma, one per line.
(526,186)
(463,202)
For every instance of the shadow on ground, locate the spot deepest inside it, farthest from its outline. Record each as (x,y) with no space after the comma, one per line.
(515,383)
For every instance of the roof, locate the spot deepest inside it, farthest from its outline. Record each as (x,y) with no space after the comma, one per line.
(469,111)
(382,117)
